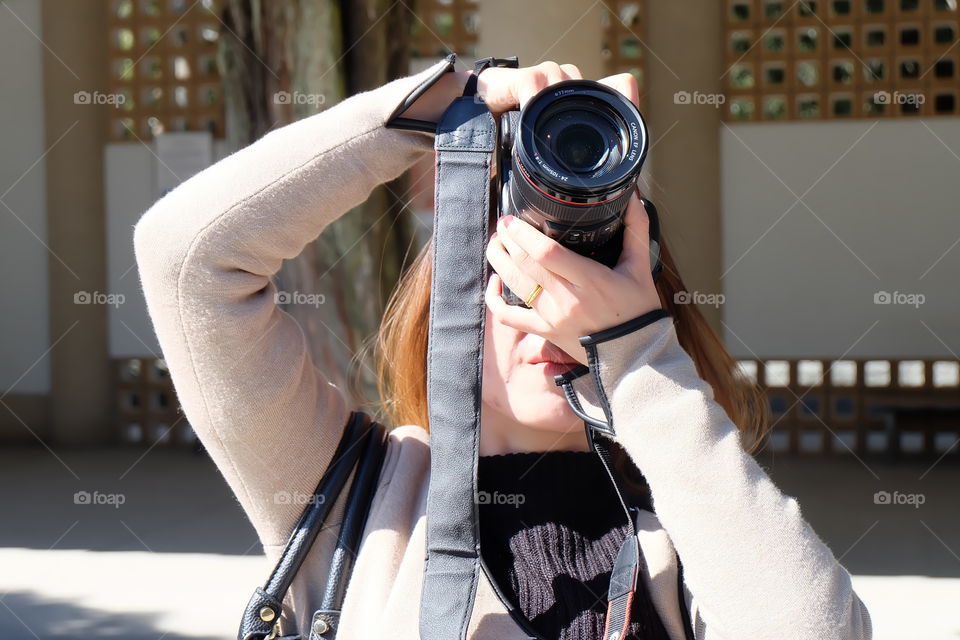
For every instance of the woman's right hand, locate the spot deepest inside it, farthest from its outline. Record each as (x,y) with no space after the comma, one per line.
(504,88)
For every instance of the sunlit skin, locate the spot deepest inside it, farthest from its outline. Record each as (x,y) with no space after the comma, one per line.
(523,410)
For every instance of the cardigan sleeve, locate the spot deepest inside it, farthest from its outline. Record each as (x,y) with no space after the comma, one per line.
(755,567)
(206,253)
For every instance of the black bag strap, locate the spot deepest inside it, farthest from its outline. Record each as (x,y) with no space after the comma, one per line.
(363,441)
(326,620)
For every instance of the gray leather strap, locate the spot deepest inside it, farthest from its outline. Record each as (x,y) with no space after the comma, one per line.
(465,141)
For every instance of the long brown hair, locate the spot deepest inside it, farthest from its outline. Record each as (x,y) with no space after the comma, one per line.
(401,352)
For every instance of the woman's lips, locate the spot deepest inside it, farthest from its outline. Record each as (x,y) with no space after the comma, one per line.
(553,368)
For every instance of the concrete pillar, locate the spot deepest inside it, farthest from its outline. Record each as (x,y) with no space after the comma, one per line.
(684,53)
(562,31)
(75,59)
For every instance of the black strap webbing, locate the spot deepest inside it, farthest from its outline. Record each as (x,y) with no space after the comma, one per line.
(465,142)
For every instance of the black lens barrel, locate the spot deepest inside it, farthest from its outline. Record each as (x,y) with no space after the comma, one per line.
(525,196)
(543,188)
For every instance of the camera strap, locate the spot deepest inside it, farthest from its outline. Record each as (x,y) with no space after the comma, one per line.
(465,141)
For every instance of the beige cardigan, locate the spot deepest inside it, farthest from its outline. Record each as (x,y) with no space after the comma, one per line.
(206,252)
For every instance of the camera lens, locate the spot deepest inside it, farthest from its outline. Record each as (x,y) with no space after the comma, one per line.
(578,148)
(579,139)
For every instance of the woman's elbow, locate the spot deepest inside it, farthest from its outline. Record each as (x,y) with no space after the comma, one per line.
(159,245)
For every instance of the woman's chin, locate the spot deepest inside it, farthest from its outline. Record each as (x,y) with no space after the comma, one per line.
(547,411)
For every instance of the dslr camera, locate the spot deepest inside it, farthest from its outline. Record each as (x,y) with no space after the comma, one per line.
(567,164)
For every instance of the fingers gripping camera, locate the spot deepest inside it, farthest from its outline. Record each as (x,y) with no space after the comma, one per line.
(568,164)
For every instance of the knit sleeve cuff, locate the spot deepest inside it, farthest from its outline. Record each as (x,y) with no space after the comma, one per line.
(618,354)
(581,394)
(396,119)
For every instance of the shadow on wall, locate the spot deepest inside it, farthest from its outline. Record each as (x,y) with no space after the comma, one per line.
(174,501)
(120,499)
(24,616)
(878,517)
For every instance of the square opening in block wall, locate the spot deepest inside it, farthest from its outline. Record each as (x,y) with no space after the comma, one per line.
(843,373)
(840,8)
(808,73)
(842,71)
(807,8)
(841,106)
(810,407)
(741,42)
(808,38)
(772,9)
(874,71)
(809,373)
(844,441)
(778,405)
(912,108)
(748,369)
(741,76)
(778,441)
(910,373)
(944,34)
(775,108)
(810,441)
(775,41)
(944,69)
(910,36)
(946,373)
(844,407)
(944,103)
(740,11)
(741,108)
(774,73)
(875,36)
(911,442)
(842,38)
(946,441)
(777,373)
(876,373)
(877,442)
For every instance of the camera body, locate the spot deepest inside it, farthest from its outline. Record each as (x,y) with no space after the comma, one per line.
(568,164)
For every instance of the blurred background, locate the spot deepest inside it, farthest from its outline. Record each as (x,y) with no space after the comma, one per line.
(804,160)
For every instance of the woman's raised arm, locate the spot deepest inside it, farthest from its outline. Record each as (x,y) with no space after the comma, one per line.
(755,566)
(206,253)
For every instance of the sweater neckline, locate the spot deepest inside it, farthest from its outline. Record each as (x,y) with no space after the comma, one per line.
(570,487)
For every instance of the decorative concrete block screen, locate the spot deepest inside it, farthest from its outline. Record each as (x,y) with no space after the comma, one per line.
(829,59)
(623,40)
(147,411)
(440,27)
(162,57)
(866,407)
(825,407)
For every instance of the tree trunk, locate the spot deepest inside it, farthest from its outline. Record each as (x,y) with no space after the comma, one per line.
(321,51)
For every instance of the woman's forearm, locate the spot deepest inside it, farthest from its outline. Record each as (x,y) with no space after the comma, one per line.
(206,253)
(755,566)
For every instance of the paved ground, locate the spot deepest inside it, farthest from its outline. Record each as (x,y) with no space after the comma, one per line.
(177,560)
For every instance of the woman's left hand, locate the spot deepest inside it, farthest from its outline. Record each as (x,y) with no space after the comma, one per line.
(580,296)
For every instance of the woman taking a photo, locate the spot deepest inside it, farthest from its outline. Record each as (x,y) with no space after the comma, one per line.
(752,567)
